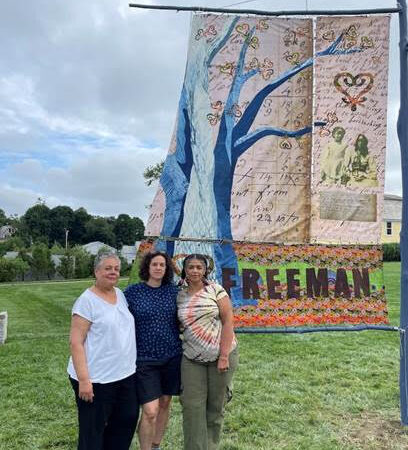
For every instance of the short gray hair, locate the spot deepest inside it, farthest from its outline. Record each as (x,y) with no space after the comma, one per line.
(100,258)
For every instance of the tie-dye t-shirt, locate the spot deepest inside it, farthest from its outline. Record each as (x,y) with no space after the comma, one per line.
(199,316)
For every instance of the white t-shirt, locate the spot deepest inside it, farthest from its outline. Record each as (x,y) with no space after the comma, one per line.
(110,345)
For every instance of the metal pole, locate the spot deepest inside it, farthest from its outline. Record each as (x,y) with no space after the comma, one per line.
(402,128)
(66,238)
(270,13)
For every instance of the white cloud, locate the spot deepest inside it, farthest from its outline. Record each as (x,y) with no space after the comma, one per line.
(105,183)
(87,87)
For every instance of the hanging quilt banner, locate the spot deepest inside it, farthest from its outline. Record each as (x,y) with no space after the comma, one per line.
(349,150)
(298,285)
(258,171)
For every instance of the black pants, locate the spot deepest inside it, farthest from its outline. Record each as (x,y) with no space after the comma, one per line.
(109,422)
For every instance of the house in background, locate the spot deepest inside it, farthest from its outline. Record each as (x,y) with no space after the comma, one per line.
(94,247)
(129,252)
(11,255)
(6,231)
(392,219)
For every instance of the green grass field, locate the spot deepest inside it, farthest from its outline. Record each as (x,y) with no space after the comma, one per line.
(312,391)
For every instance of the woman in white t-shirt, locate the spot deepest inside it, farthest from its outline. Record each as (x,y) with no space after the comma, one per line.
(103,362)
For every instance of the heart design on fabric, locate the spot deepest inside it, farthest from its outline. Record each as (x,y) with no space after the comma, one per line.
(228,68)
(262,25)
(285,144)
(367,42)
(253,42)
(329,36)
(243,29)
(292,58)
(211,30)
(353,87)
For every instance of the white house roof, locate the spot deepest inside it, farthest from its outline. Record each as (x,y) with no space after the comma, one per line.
(94,247)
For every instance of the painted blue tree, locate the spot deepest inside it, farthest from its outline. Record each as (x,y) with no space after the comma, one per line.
(197,176)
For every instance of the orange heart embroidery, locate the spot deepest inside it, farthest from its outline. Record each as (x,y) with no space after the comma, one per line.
(345,81)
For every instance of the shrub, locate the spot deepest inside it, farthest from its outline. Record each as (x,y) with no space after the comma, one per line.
(83,262)
(41,263)
(66,267)
(391,252)
(11,268)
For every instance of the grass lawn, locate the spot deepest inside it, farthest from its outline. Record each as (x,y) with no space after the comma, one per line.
(312,391)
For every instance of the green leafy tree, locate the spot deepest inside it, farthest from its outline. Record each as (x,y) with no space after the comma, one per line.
(8,270)
(128,230)
(67,265)
(139,228)
(124,266)
(62,219)
(22,230)
(12,244)
(57,249)
(77,233)
(153,173)
(21,267)
(37,221)
(83,262)
(99,229)
(3,218)
(41,263)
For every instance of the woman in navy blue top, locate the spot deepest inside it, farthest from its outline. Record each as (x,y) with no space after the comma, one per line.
(153,305)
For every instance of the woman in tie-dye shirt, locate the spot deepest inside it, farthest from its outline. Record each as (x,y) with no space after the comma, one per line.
(210,354)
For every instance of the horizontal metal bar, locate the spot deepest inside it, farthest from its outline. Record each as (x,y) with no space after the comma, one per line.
(302,330)
(271,13)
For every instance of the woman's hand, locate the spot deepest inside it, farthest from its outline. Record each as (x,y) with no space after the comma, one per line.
(85,391)
(223,364)
(227,333)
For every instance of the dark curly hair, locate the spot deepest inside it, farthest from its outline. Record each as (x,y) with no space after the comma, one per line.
(145,265)
(198,256)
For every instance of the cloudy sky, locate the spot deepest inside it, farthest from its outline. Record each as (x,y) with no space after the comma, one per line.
(89,93)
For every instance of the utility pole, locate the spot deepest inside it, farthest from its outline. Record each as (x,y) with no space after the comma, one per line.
(66,238)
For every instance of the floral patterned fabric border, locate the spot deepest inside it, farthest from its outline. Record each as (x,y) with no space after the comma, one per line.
(300,285)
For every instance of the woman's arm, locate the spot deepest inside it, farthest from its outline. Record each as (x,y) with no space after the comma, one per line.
(227,332)
(79,331)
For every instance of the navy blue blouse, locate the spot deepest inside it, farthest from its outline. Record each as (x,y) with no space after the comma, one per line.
(155,313)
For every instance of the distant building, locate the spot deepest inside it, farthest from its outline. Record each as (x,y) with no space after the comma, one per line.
(11,255)
(6,231)
(56,259)
(94,247)
(129,252)
(392,219)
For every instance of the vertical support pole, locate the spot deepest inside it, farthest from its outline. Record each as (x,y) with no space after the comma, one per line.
(402,128)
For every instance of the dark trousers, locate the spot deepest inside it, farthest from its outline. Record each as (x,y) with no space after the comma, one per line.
(109,422)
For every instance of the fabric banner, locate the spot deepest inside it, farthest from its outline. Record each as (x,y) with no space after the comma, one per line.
(300,285)
(239,162)
(254,175)
(349,151)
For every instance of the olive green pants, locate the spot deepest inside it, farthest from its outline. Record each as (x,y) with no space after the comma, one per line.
(203,397)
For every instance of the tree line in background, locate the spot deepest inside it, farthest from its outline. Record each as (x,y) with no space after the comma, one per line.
(42,232)
(56,225)
(36,263)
